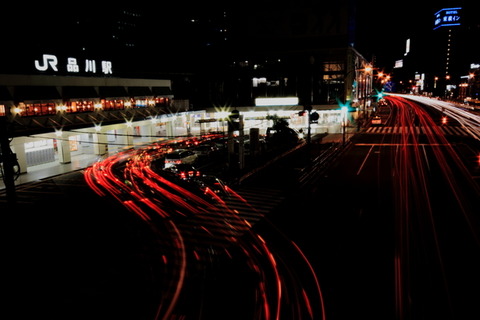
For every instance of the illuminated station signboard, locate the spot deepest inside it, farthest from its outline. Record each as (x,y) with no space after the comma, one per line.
(50,62)
(447,17)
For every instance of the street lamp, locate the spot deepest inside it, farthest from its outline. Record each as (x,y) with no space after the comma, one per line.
(357,78)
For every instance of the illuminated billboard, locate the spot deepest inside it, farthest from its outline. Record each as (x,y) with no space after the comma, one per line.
(447,17)
(268,102)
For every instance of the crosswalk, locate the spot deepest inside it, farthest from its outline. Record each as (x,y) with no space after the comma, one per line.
(231,220)
(254,203)
(446,130)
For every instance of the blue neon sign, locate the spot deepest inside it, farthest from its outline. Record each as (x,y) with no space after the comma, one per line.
(447,17)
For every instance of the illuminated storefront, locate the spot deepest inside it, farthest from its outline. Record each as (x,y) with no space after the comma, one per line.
(74,115)
(100,109)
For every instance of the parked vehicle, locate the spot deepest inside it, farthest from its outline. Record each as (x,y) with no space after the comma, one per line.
(180,156)
(184,171)
(282,135)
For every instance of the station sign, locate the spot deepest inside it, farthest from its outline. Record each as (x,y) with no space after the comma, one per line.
(447,17)
(71,65)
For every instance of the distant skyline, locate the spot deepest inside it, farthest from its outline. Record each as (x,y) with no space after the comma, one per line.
(384,27)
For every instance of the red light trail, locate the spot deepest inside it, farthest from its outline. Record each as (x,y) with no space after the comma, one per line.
(188,220)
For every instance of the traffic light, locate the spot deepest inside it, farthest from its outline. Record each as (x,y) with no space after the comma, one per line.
(314,117)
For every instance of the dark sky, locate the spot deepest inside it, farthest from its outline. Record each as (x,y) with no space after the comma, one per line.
(384,26)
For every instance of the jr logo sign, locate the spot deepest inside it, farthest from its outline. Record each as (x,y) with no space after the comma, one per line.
(50,61)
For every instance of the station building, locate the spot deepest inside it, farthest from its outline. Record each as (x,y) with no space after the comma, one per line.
(50,118)
(53,116)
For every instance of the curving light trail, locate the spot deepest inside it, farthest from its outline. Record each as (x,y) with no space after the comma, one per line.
(193,225)
(470,121)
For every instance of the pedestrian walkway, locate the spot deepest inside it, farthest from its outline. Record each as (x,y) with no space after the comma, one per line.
(78,162)
(51,169)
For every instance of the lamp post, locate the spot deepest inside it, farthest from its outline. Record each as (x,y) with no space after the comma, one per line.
(356,79)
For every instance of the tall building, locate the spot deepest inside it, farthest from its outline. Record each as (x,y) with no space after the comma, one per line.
(305,49)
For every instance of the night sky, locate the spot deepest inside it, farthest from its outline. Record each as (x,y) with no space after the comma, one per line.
(382,27)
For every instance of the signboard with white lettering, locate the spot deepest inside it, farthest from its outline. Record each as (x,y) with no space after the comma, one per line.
(72,65)
(447,17)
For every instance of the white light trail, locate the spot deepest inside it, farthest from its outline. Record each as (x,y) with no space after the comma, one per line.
(468,120)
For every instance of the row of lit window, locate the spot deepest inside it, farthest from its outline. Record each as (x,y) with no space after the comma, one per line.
(51,108)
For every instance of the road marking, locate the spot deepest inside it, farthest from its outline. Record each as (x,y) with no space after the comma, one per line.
(452,130)
(400,144)
(426,158)
(365,160)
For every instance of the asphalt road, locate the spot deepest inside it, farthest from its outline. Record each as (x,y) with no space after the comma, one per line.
(392,227)
(71,254)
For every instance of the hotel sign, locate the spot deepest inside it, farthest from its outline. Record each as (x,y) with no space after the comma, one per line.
(50,62)
(447,17)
